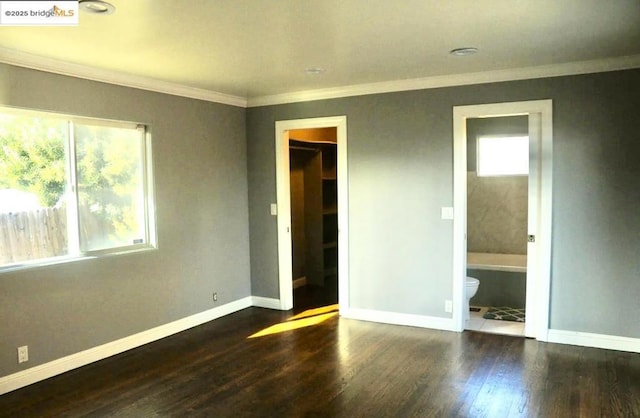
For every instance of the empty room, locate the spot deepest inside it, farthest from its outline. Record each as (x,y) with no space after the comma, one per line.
(291,208)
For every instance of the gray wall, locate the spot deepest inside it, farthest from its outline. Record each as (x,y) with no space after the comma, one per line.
(401,173)
(199,156)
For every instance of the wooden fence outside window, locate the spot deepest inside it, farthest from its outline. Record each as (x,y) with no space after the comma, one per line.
(33,235)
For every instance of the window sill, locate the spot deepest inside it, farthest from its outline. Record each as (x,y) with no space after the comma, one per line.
(49,262)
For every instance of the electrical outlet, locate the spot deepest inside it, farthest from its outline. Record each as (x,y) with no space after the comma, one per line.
(215,296)
(23,354)
(448,306)
(446,213)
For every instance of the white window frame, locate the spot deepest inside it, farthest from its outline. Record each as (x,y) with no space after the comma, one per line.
(479,151)
(73,222)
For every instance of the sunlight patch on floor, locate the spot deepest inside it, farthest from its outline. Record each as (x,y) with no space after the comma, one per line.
(304,319)
(314,312)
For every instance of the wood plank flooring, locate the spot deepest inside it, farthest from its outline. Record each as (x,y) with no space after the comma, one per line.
(339,368)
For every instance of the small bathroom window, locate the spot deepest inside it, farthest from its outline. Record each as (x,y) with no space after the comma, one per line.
(503,156)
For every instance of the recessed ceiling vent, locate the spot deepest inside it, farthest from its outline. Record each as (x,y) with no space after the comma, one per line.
(97,7)
(463,52)
(314,70)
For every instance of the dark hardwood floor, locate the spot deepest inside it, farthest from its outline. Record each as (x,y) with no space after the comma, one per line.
(339,368)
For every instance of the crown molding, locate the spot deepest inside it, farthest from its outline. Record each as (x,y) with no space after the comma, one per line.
(555,70)
(35,62)
(23,59)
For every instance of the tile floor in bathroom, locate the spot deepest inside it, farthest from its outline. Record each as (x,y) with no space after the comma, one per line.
(477,323)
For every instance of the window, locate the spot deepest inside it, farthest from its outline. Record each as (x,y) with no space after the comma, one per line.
(503,155)
(72,187)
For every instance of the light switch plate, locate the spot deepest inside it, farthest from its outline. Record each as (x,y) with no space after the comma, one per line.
(446,213)
(274,209)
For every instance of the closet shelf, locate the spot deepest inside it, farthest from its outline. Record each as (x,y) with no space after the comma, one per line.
(329,245)
(333,210)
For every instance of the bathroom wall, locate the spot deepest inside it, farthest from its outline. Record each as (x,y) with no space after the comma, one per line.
(496,206)
(499,288)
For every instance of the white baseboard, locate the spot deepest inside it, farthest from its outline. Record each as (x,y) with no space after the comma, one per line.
(268,303)
(399,319)
(44,371)
(585,339)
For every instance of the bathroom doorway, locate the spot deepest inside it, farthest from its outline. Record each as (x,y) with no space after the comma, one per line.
(316,151)
(537,234)
(497,222)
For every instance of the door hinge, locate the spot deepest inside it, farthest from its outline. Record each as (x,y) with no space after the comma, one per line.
(531,238)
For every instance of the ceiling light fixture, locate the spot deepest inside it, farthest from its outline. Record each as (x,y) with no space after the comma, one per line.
(463,52)
(314,70)
(98,7)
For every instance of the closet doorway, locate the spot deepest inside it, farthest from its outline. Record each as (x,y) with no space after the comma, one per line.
(311,212)
(313,184)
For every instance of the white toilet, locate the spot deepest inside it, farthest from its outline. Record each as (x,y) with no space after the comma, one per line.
(471,287)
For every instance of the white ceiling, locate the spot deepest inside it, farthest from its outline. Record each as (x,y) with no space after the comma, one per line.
(256,48)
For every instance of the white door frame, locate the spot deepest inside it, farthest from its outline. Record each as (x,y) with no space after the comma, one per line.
(538,253)
(283,190)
